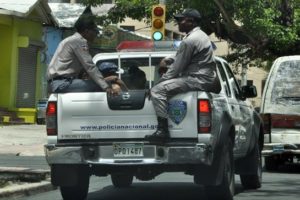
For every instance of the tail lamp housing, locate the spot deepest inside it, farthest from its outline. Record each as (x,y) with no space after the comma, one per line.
(204,116)
(51,118)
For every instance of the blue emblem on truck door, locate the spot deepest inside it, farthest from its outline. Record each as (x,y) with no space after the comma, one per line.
(177,110)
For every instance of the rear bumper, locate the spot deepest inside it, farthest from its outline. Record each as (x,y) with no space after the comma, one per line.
(280,148)
(198,153)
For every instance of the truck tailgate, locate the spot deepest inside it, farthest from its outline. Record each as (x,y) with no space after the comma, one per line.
(87,116)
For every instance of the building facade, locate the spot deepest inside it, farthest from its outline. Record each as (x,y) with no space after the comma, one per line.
(21,30)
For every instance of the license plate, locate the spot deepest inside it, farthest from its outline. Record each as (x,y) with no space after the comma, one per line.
(278,148)
(128,149)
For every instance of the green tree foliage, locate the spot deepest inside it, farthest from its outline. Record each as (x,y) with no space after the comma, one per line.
(136,9)
(255,28)
(258,28)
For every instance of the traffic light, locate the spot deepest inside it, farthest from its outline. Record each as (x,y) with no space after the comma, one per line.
(158,22)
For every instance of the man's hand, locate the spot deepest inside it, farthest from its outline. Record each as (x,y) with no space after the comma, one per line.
(122,84)
(163,65)
(116,87)
(115,80)
(112,91)
(111,78)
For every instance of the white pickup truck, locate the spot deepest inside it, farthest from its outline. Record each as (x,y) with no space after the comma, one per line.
(213,136)
(280,110)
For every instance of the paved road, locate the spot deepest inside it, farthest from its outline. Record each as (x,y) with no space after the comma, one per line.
(177,186)
(23,146)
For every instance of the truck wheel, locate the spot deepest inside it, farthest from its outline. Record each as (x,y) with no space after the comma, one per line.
(121,180)
(224,191)
(271,164)
(76,192)
(253,181)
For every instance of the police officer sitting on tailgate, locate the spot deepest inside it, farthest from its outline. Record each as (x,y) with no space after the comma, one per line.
(193,68)
(72,57)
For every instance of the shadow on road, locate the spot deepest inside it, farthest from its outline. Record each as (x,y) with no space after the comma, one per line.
(151,191)
(279,190)
(281,184)
(290,168)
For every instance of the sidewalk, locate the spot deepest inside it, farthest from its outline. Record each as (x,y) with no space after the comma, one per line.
(22,141)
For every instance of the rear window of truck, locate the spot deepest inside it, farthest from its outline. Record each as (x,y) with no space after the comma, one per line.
(286,84)
(137,73)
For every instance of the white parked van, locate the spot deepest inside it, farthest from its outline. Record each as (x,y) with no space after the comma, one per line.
(280,109)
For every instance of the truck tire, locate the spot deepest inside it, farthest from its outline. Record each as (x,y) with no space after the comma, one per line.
(121,180)
(224,191)
(253,181)
(76,192)
(271,164)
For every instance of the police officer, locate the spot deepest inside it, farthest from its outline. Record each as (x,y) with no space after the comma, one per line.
(193,68)
(72,58)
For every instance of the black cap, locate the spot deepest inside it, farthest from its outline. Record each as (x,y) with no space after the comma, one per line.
(86,22)
(189,12)
(108,67)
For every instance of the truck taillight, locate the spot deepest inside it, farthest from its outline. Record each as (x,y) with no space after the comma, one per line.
(280,121)
(204,116)
(51,118)
(285,121)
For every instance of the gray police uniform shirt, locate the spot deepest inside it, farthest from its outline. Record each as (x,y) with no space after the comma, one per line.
(71,56)
(194,58)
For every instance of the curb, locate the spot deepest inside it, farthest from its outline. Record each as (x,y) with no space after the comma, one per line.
(24,181)
(26,189)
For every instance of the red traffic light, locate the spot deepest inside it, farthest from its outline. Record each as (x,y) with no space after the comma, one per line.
(158,11)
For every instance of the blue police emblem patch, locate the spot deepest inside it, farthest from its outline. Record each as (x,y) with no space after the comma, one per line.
(177,110)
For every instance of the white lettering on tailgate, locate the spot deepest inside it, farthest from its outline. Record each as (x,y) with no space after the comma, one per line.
(120,127)
(77,136)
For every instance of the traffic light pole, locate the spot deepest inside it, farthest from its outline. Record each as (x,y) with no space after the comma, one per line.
(163,2)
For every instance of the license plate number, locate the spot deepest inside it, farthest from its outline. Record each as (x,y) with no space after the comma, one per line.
(278,148)
(128,150)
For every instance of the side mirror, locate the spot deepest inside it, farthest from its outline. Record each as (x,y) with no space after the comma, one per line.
(249,91)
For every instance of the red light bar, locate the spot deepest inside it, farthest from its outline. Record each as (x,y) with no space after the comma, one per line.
(135,45)
(148,45)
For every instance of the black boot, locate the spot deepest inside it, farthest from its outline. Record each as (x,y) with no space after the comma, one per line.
(162,132)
